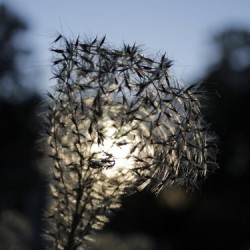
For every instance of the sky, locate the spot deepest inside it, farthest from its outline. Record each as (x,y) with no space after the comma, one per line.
(181,28)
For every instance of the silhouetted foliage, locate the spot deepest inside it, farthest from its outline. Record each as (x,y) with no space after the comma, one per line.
(22,189)
(228,84)
(12,51)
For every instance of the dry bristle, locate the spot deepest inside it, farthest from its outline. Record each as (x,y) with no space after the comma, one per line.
(117,124)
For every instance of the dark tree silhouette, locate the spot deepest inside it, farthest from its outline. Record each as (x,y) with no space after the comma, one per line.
(228,85)
(21,186)
(11,28)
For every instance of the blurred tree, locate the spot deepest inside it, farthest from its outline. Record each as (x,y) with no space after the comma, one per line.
(21,185)
(228,86)
(11,27)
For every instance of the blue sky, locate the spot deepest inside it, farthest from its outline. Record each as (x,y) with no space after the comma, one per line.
(181,28)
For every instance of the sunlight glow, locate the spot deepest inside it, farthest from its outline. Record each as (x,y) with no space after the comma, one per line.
(115,153)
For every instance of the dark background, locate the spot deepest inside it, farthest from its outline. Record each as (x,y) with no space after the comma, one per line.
(22,185)
(215,216)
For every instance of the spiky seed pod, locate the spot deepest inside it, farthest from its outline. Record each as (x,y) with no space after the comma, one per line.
(116,125)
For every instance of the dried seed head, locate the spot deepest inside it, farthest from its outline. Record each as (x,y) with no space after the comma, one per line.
(117,125)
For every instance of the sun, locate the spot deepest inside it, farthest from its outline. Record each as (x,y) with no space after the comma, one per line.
(114,154)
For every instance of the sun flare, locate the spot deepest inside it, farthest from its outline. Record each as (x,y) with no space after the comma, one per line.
(114,153)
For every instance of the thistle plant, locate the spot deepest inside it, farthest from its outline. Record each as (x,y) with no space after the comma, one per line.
(117,123)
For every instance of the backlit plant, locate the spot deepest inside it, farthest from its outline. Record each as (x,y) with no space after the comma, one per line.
(117,123)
